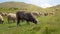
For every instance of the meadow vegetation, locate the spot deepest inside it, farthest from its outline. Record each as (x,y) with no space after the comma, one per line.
(46,24)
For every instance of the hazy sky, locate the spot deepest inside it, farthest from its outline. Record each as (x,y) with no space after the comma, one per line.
(41,3)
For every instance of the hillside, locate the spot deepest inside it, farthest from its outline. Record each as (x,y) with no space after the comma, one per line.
(52,22)
(18,6)
(46,24)
(55,8)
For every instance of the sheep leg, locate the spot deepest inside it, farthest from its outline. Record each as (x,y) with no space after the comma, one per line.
(2,22)
(8,21)
(28,22)
(14,21)
(18,21)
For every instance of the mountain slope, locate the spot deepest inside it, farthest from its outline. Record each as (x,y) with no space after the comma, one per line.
(20,6)
(54,8)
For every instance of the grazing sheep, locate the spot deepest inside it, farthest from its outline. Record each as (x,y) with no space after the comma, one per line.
(11,17)
(46,14)
(52,13)
(35,13)
(40,13)
(1,20)
(3,14)
(0,12)
(28,17)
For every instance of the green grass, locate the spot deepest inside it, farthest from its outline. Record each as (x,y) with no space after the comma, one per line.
(46,25)
(40,28)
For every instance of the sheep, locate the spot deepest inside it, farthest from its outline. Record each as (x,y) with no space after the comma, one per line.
(35,13)
(40,13)
(28,17)
(45,14)
(1,20)
(3,13)
(51,13)
(11,17)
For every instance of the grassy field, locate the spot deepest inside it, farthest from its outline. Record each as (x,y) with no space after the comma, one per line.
(46,25)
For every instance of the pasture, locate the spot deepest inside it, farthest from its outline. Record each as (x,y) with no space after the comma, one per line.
(46,25)
(49,24)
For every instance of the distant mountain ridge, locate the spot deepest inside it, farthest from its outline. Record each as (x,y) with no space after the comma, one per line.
(20,5)
(54,8)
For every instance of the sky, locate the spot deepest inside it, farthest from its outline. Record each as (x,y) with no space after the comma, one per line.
(40,3)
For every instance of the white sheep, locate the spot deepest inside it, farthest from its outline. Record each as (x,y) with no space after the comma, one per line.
(11,17)
(1,19)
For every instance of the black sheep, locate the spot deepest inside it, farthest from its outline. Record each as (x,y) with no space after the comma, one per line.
(28,17)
